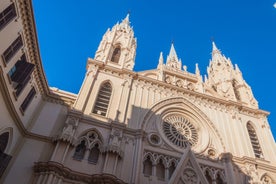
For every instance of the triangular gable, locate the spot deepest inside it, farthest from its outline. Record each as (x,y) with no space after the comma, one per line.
(188,170)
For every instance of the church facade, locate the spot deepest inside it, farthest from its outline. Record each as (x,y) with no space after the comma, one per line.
(164,125)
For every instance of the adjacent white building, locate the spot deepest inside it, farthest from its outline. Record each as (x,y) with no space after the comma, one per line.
(164,125)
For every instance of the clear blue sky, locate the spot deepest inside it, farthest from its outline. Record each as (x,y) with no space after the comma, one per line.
(70,31)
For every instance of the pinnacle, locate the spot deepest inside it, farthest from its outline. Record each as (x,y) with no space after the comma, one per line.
(172,53)
(126,20)
(214,46)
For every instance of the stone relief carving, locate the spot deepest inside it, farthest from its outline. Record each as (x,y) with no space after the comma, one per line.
(69,129)
(189,176)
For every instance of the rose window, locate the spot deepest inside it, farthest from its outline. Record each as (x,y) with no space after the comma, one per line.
(180,131)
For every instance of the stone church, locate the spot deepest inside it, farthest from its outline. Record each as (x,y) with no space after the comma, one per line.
(164,125)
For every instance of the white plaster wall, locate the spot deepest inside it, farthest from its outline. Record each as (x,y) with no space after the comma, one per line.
(22,167)
(49,120)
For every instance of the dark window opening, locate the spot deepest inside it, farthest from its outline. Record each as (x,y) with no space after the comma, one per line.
(103,98)
(20,74)
(94,155)
(116,55)
(12,49)
(7,15)
(4,158)
(28,99)
(80,151)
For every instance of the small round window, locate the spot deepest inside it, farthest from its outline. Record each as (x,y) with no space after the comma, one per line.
(179,131)
(154,139)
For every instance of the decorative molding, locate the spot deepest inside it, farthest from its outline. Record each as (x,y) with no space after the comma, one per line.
(66,173)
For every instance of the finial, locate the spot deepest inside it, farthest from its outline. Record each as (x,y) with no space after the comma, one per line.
(197,69)
(185,68)
(161,59)
(126,20)
(214,46)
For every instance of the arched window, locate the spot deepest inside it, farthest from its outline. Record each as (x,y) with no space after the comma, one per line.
(237,93)
(4,158)
(219,179)
(208,176)
(147,167)
(80,151)
(103,98)
(160,170)
(116,55)
(94,154)
(171,169)
(4,138)
(254,141)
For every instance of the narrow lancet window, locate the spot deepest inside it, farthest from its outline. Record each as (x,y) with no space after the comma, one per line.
(80,151)
(254,141)
(103,98)
(116,55)
(94,154)
(147,169)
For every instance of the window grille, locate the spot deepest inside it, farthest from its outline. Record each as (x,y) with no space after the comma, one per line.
(254,141)
(103,98)
(7,15)
(12,49)
(28,99)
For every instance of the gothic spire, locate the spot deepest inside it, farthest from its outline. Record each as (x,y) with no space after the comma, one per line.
(126,20)
(172,54)
(215,49)
(172,60)
(161,61)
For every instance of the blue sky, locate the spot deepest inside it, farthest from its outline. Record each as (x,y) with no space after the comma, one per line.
(70,31)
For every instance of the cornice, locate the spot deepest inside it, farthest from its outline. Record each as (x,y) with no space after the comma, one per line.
(261,163)
(30,34)
(67,173)
(139,76)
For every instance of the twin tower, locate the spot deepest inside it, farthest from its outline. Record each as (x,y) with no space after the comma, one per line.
(223,80)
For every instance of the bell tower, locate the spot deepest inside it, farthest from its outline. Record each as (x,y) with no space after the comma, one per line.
(118,46)
(227,80)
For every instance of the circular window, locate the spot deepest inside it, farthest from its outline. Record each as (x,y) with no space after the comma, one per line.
(180,131)
(154,139)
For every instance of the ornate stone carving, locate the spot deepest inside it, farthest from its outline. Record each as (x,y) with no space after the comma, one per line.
(69,129)
(189,176)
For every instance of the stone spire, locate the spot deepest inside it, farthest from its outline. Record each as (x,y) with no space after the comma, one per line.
(172,60)
(161,61)
(126,20)
(227,80)
(118,46)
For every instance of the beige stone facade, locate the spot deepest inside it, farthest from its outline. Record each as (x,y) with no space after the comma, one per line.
(164,125)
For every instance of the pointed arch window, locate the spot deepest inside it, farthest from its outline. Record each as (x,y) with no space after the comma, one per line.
(103,98)
(171,169)
(94,154)
(147,167)
(80,151)
(160,170)
(237,93)
(4,158)
(208,176)
(219,179)
(4,138)
(116,55)
(254,141)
